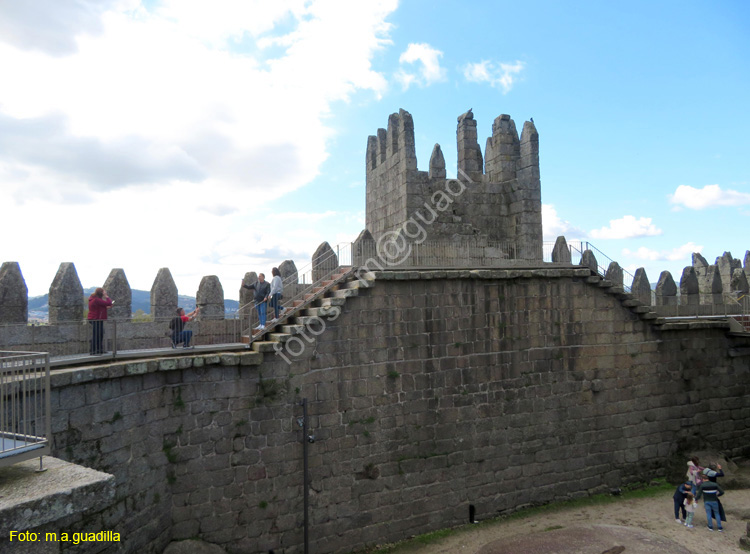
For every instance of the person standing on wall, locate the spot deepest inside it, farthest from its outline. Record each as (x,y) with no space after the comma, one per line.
(262,290)
(277,288)
(99,303)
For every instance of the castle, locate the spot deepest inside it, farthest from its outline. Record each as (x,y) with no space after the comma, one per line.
(434,394)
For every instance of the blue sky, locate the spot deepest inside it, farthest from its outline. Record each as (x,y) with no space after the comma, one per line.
(224,137)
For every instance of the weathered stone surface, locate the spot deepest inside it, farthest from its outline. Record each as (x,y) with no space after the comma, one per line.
(437,163)
(589,260)
(31,499)
(699,263)
(746,262)
(666,290)
(14,294)
(561,252)
(66,295)
(210,298)
(247,295)
(641,288)
(614,274)
(324,262)
(689,289)
(363,248)
(738,283)
(119,291)
(193,546)
(726,265)
(163,295)
(290,279)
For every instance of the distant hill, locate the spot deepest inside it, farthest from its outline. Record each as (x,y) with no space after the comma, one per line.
(39,305)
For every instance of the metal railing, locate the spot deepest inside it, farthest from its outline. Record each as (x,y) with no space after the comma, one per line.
(25,428)
(295,289)
(576,253)
(74,338)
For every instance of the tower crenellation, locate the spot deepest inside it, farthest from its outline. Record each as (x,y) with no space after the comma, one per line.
(495,198)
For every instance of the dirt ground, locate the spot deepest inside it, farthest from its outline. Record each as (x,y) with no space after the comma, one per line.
(627,526)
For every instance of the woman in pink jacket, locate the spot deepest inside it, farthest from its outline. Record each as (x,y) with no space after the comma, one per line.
(99,303)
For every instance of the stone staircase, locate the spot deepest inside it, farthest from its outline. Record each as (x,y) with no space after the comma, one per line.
(325,298)
(628,300)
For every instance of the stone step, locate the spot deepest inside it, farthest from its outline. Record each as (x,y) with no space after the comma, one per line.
(346,293)
(263,346)
(305,320)
(642,309)
(631,303)
(649,315)
(292,329)
(330,301)
(279,337)
(593,279)
(605,284)
(323,311)
(356,284)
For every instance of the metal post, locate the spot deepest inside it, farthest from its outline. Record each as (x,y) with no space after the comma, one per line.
(114,338)
(305,478)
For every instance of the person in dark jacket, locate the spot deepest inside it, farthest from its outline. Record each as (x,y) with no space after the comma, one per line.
(179,334)
(679,501)
(262,289)
(712,472)
(99,303)
(711,492)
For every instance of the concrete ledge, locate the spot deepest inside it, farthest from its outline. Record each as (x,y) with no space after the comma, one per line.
(29,499)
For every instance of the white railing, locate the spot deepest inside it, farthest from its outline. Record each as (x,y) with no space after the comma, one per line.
(25,429)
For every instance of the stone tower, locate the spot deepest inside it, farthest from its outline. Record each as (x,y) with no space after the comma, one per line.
(495,198)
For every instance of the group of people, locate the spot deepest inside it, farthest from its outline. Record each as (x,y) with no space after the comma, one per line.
(700,483)
(100,303)
(267,292)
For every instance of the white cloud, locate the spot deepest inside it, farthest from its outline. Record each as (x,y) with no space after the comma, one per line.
(626,228)
(146,139)
(553,226)
(708,197)
(429,59)
(683,252)
(499,75)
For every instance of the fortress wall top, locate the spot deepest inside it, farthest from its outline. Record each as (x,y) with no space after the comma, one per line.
(495,198)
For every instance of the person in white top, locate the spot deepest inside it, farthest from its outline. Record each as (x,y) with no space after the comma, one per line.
(277,288)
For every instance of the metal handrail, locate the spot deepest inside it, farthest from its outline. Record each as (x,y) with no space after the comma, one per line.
(25,422)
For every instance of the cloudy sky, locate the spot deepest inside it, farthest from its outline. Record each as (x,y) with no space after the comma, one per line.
(216,138)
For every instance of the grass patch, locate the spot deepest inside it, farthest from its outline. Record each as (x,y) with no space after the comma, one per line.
(629,492)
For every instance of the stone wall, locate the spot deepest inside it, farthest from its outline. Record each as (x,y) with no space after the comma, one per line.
(431,392)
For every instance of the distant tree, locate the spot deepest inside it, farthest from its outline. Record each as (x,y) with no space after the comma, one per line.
(142,317)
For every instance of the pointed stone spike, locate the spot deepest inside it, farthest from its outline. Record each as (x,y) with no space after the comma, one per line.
(589,260)
(324,262)
(614,274)
(371,157)
(739,282)
(247,295)
(363,248)
(470,159)
(119,290)
(699,261)
(666,290)
(746,261)
(437,163)
(689,289)
(727,264)
(14,294)
(290,280)
(210,298)
(164,295)
(641,288)
(561,252)
(66,301)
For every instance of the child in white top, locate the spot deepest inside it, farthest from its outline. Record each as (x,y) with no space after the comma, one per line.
(690,505)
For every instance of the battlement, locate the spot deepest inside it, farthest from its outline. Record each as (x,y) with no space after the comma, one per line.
(499,194)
